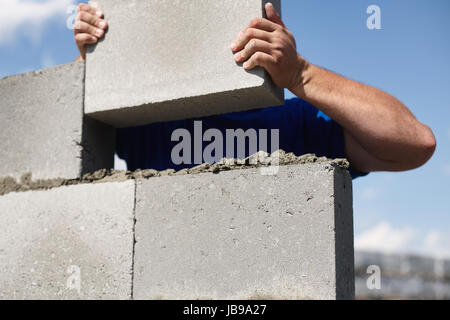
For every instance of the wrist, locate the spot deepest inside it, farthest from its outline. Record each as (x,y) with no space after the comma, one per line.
(302,75)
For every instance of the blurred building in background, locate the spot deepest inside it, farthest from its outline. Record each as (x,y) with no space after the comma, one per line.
(401,277)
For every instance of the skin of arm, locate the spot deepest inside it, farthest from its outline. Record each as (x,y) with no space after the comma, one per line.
(380,132)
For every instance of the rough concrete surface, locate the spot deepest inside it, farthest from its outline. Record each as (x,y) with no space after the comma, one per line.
(242,235)
(55,242)
(179,65)
(42,127)
(27,183)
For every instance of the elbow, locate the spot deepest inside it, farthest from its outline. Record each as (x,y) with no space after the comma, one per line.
(430,144)
(425,145)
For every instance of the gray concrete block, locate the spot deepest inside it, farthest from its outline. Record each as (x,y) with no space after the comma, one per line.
(242,235)
(43,132)
(68,243)
(170,60)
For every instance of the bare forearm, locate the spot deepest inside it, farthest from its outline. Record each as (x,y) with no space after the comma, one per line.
(378,122)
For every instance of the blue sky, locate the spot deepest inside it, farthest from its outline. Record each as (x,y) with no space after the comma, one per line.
(408,57)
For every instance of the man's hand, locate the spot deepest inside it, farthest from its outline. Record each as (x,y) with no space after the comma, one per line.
(89,27)
(381,134)
(269,44)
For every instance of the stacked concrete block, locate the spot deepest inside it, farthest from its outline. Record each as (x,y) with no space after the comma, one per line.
(243,235)
(43,130)
(167,60)
(230,235)
(68,243)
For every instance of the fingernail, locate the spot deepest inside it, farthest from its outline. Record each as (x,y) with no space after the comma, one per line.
(99,13)
(237,56)
(246,65)
(98,32)
(102,24)
(233,46)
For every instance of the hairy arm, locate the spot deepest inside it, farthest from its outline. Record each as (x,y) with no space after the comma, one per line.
(380,131)
(381,134)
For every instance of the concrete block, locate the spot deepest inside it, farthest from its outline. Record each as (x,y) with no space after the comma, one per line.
(167,60)
(242,235)
(42,127)
(72,242)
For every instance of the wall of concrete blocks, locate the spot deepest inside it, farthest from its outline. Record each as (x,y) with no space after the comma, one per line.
(59,122)
(231,235)
(286,236)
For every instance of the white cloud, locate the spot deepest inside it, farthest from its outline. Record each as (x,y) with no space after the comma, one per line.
(28,16)
(435,244)
(383,237)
